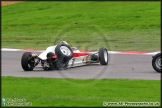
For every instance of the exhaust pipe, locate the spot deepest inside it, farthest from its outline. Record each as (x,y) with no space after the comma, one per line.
(33,55)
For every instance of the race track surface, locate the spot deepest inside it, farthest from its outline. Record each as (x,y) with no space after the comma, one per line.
(127,66)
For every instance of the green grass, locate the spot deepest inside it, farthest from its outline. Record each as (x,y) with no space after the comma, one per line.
(118,26)
(79,92)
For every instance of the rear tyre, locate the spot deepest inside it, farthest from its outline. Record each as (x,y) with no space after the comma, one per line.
(64,53)
(156,62)
(27,63)
(103,56)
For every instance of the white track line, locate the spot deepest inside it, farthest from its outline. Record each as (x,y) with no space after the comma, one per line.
(9,49)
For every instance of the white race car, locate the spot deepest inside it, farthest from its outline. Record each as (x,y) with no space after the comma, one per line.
(62,56)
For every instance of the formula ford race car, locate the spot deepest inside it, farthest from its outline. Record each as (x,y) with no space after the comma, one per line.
(62,56)
(156,62)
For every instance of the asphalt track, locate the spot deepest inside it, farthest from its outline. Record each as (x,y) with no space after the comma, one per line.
(127,66)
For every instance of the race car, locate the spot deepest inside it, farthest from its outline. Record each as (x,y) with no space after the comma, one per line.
(156,62)
(62,56)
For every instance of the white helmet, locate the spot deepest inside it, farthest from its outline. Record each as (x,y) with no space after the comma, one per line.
(64,42)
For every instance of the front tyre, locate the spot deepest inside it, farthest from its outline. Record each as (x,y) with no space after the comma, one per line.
(156,62)
(27,62)
(103,56)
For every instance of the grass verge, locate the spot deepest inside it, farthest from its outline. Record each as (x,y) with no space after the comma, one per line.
(79,92)
(122,26)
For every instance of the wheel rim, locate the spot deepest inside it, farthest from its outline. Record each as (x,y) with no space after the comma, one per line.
(65,50)
(158,62)
(105,56)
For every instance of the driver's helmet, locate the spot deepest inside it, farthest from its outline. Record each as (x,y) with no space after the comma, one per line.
(64,42)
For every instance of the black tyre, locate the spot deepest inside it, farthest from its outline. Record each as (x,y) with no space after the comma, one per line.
(50,61)
(103,56)
(26,63)
(64,52)
(156,62)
